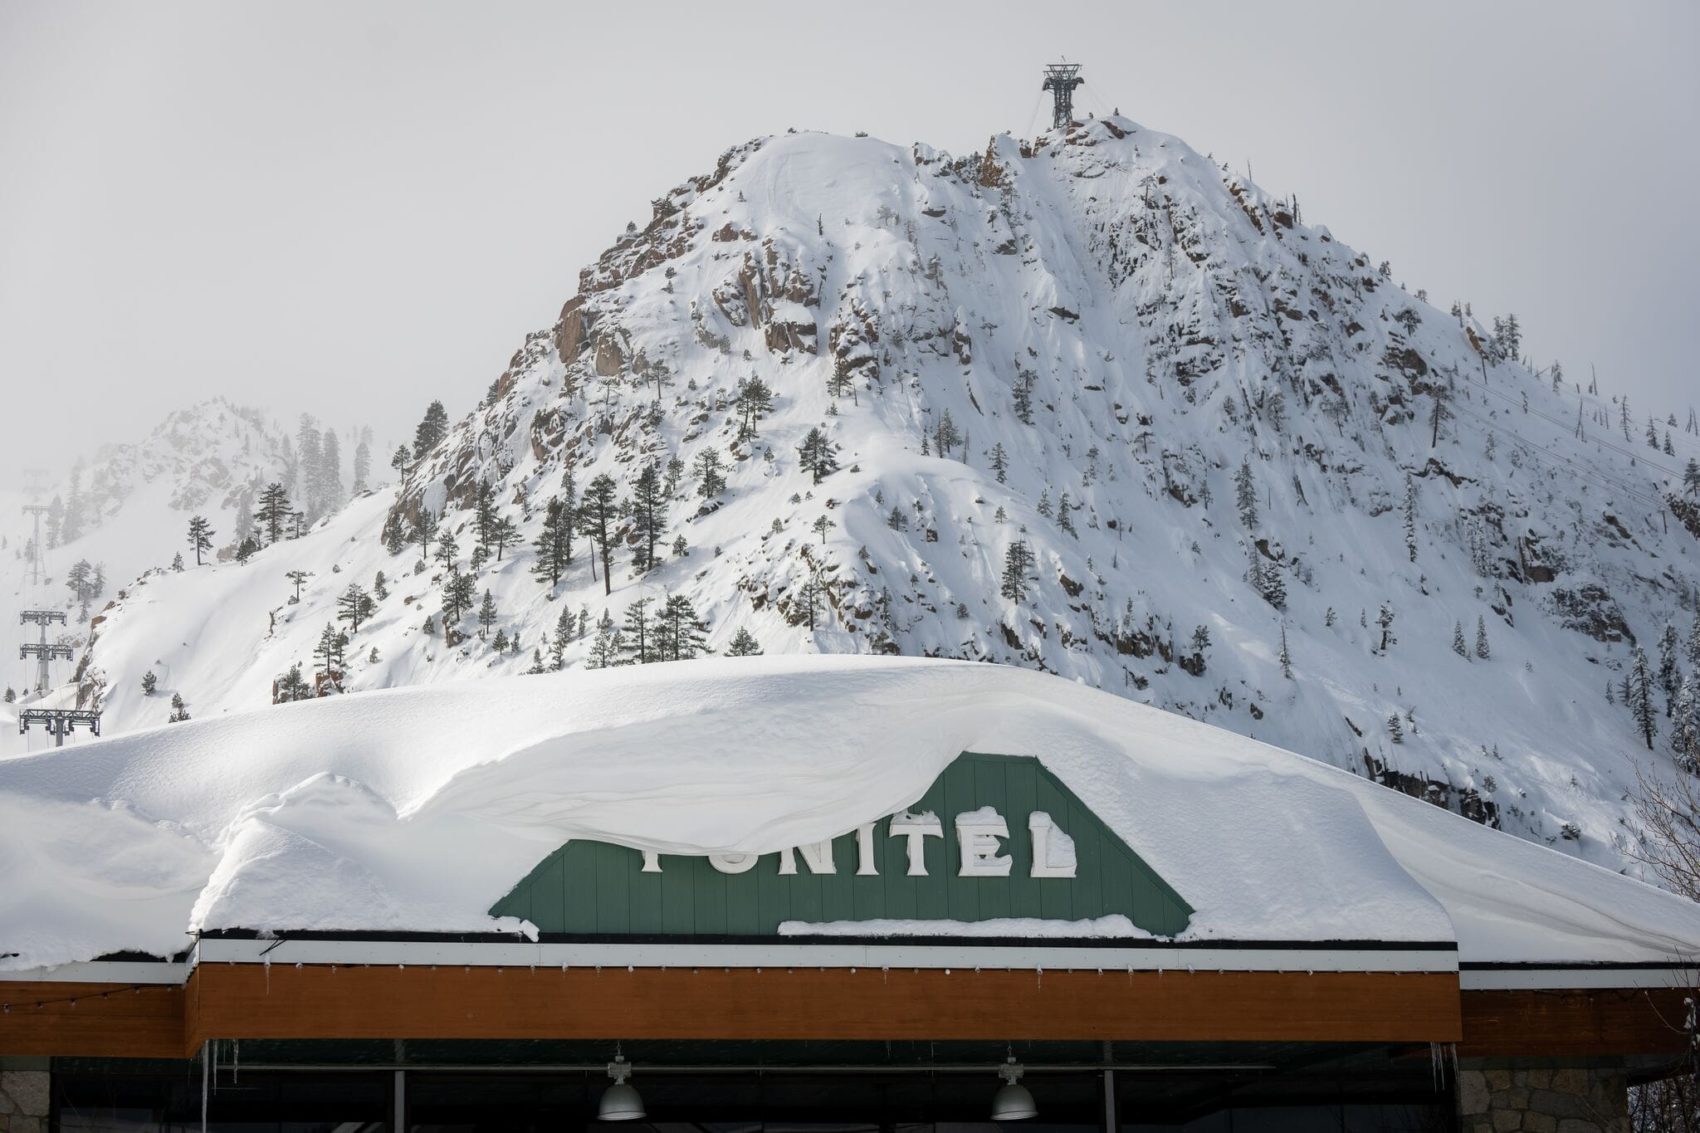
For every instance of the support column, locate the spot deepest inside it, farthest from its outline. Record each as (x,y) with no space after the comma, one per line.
(1502,1095)
(25,1095)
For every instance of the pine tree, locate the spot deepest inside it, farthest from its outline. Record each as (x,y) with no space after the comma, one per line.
(296,578)
(448,549)
(393,539)
(1064,519)
(1670,647)
(331,497)
(554,542)
(1639,697)
(363,461)
(400,459)
(753,401)
(179,710)
(484,514)
(200,536)
(149,683)
(275,511)
(500,644)
(743,644)
(1691,478)
(431,430)
(424,530)
(458,590)
(354,606)
(245,550)
(821,525)
(1458,645)
(679,634)
(380,586)
(1411,518)
(563,637)
(1000,463)
(1685,724)
(1385,620)
(177,562)
(1692,649)
(606,647)
(1245,495)
(1286,655)
(328,652)
(636,629)
(648,507)
(1482,650)
(1395,728)
(292,686)
(711,480)
(816,456)
(1044,506)
(1017,565)
(504,534)
(486,614)
(597,513)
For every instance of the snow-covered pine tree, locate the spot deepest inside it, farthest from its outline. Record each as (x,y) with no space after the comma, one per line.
(606,646)
(292,686)
(680,634)
(815,455)
(179,710)
(1458,645)
(1395,728)
(200,536)
(597,513)
(711,478)
(354,606)
(1245,495)
(1017,565)
(1286,654)
(554,542)
(362,461)
(564,626)
(1064,519)
(177,563)
(393,539)
(1385,620)
(486,614)
(275,513)
(1685,724)
(637,631)
(648,511)
(431,430)
(1000,463)
(743,644)
(1670,677)
(1638,692)
(1411,518)
(1482,650)
(149,682)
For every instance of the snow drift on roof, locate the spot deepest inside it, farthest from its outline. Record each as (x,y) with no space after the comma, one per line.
(416,809)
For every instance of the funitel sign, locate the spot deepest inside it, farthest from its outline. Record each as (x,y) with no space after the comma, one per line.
(994,837)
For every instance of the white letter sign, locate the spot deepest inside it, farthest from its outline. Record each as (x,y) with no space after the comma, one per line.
(917,828)
(977,834)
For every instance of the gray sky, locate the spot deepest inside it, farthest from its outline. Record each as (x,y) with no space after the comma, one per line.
(354,208)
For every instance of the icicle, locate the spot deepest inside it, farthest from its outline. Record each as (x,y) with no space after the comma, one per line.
(204,1086)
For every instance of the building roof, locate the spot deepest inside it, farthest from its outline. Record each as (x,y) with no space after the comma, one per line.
(415,810)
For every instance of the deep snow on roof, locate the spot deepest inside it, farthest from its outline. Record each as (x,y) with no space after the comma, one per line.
(416,809)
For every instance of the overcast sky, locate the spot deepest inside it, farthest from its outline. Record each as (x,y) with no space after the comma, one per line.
(353,208)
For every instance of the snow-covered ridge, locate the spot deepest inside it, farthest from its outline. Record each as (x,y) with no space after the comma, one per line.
(1074,345)
(418,809)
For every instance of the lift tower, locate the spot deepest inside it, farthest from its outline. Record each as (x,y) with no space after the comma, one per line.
(59,721)
(43,651)
(36,564)
(1060,80)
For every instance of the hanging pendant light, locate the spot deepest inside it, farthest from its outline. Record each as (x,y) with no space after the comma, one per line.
(1012,1102)
(621,1101)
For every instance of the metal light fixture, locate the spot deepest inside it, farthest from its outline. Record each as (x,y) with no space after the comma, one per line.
(620,1102)
(1012,1102)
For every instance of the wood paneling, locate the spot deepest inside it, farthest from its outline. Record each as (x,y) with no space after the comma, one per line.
(231,1001)
(91,1020)
(1564,1023)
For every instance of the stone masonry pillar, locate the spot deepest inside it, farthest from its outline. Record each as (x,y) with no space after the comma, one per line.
(1503,1095)
(25,1096)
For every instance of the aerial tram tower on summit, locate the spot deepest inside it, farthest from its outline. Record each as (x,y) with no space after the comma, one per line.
(1060,80)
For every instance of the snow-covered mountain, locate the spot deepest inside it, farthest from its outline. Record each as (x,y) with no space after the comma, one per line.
(1090,404)
(124,510)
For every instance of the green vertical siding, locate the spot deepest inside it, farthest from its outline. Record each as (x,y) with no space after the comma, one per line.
(598,889)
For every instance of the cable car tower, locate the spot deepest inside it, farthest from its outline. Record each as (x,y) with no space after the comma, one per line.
(43,651)
(37,565)
(1060,80)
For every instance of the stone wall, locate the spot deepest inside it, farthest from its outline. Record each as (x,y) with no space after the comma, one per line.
(24,1101)
(1499,1098)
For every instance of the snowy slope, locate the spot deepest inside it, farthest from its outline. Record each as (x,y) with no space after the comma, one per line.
(1113,319)
(416,809)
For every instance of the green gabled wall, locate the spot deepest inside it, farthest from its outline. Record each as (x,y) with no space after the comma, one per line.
(597,889)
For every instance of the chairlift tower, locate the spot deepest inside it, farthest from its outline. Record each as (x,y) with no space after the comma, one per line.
(43,651)
(1060,80)
(37,567)
(59,722)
